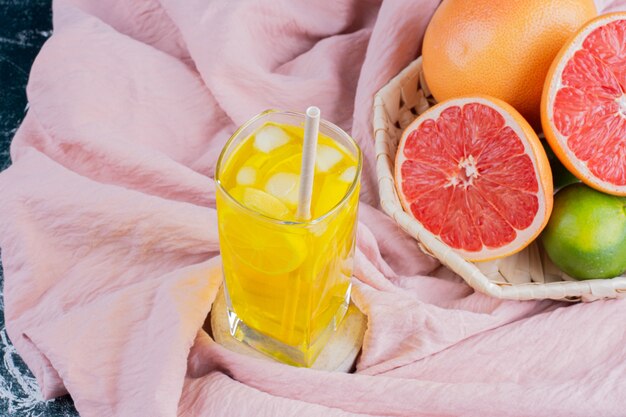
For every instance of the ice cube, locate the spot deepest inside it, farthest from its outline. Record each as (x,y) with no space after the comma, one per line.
(327,157)
(246,176)
(269,138)
(348,174)
(284,186)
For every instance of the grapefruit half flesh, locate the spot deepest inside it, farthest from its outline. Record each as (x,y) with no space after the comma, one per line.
(472,171)
(583,106)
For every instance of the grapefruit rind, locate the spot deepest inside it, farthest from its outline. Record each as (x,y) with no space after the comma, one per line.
(553,84)
(532,148)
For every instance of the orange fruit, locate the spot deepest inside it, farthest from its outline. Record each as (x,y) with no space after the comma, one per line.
(586,234)
(583,108)
(473,172)
(500,48)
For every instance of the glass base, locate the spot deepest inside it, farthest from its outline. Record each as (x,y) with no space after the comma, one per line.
(292,355)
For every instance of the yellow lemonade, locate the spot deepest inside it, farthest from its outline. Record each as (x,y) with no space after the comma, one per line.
(287,280)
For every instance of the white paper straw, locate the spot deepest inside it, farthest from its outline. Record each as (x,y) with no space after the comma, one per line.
(307,172)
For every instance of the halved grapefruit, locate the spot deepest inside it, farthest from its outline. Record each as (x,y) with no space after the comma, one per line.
(472,171)
(583,107)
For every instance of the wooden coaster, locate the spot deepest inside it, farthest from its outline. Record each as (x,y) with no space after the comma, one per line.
(338,355)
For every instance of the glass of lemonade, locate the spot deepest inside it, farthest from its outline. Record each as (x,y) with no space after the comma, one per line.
(287,281)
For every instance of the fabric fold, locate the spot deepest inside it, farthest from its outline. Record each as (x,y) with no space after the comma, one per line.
(109,235)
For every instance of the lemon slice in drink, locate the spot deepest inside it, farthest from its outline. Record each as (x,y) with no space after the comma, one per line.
(261,202)
(256,161)
(291,164)
(269,249)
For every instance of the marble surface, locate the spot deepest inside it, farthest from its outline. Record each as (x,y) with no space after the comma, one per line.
(24,27)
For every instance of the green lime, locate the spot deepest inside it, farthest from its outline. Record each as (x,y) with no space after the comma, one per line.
(586,234)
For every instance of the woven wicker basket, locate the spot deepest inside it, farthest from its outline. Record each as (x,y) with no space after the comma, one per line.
(526,275)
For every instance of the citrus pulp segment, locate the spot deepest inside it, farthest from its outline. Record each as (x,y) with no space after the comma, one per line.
(583,107)
(258,247)
(472,171)
(263,202)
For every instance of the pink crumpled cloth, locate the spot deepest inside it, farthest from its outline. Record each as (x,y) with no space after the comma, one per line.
(109,238)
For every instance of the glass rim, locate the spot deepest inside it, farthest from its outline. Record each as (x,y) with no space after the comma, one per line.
(347,195)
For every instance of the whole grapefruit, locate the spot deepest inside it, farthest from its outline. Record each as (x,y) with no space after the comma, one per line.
(499,48)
